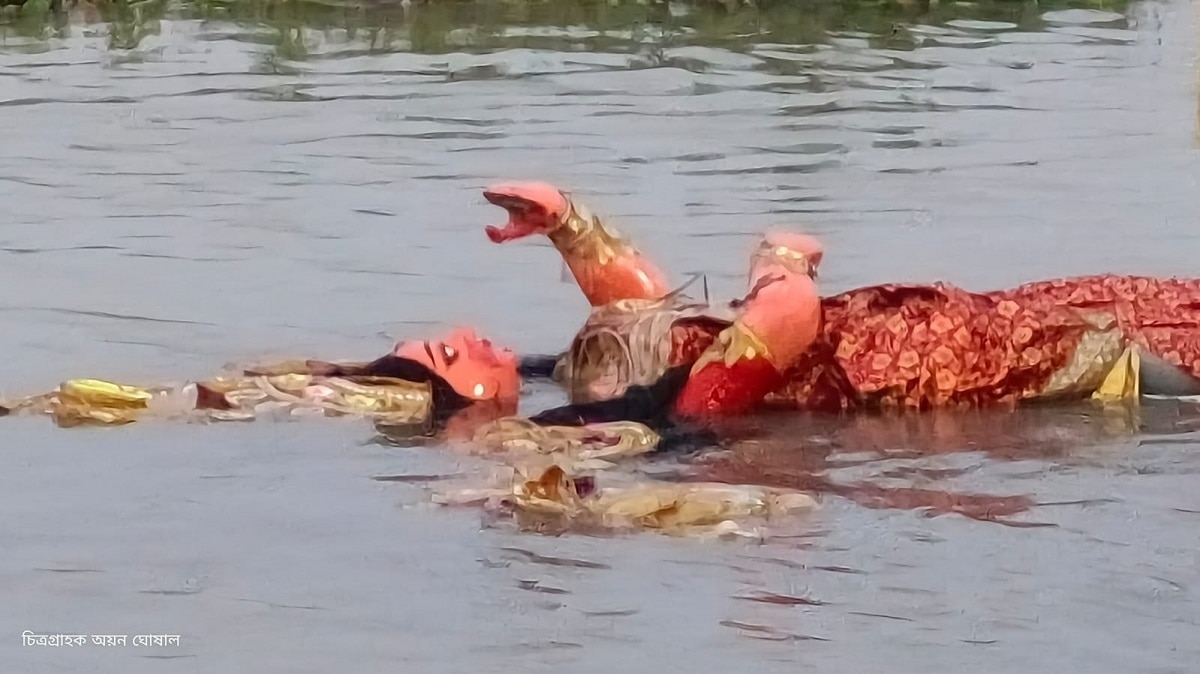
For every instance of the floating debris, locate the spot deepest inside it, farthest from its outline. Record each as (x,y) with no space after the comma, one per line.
(82,401)
(604,442)
(233,398)
(546,478)
(556,501)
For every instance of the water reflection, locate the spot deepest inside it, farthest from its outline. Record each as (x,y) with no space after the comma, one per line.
(297,30)
(892,460)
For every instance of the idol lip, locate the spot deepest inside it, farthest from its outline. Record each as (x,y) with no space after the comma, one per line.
(517,226)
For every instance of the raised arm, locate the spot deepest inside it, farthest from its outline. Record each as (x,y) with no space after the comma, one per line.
(606,266)
(777,322)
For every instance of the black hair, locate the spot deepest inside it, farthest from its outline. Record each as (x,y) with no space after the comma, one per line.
(446,401)
(649,404)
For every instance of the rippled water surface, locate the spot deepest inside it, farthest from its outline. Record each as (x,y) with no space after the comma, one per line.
(188,184)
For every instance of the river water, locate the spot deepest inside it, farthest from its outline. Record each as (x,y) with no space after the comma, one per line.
(189,184)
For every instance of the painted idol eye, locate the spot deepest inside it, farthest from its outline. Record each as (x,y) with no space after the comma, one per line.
(450,354)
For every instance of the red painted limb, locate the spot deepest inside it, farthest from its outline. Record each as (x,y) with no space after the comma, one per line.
(718,389)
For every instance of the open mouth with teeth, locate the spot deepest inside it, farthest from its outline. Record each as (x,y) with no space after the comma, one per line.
(533,208)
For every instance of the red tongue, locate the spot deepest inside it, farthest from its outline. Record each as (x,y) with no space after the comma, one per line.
(498,235)
(506,233)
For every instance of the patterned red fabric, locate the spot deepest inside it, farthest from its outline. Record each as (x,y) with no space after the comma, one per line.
(1161,315)
(938,345)
(690,338)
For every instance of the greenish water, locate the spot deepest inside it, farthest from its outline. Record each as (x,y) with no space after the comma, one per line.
(187,184)
(429,24)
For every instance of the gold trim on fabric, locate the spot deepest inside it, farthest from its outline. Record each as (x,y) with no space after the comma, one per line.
(789,258)
(80,401)
(583,235)
(386,398)
(607,441)
(1099,350)
(1123,382)
(733,344)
